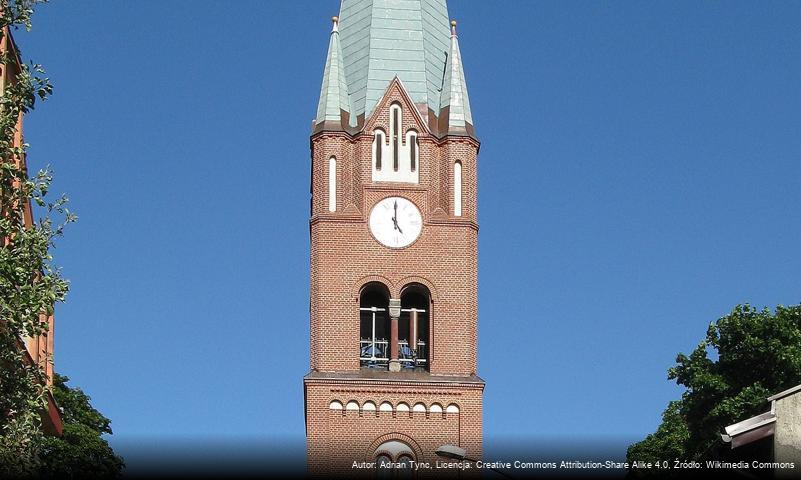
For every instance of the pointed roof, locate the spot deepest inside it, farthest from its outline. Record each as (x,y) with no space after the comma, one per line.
(334,96)
(454,96)
(385,38)
(378,40)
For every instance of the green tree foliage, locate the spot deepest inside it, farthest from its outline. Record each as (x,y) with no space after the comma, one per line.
(747,356)
(81,452)
(669,440)
(30,285)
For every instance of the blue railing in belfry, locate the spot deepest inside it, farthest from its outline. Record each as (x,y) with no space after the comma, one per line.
(376,353)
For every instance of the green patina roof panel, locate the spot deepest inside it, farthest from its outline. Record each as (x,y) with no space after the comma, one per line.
(334,94)
(404,38)
(454,88)
(378,40)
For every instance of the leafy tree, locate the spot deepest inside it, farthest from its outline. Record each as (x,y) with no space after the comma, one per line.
(669,440)
(81,452)
(746,356)
(30,285)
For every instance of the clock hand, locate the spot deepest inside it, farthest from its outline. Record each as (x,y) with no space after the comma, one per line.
(395,216)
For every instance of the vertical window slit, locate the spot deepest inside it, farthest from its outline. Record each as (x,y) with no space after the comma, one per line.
(332,184)
(379,143)
(457,189)
(413,151)
(395,143)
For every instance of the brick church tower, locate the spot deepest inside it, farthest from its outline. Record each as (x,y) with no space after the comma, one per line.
(393,243)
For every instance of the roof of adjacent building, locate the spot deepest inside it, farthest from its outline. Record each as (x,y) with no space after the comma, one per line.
(374,41)
(789,391)
(756,427)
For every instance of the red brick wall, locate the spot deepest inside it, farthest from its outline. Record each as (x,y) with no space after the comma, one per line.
(337,438)
(345,256)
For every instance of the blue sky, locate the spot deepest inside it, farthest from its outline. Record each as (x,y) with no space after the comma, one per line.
(639,177)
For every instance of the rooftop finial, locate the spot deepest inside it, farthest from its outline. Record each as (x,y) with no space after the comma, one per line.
(453,27)
(335,20)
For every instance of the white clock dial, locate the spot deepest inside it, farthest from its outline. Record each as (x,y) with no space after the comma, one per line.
(395,222)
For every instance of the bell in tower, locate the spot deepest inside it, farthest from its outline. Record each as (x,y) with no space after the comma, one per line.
(394,239)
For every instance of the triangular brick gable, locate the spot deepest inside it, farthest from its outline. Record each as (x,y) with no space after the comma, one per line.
(396,93)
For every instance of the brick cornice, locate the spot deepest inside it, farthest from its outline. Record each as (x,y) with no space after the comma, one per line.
(374,385)
(456,222)
(364,134)
(394,187)
(396,391)
(363,386)
(337,218)
(460,139)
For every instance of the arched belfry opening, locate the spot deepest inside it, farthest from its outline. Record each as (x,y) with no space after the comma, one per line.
(414,328)
(374,326)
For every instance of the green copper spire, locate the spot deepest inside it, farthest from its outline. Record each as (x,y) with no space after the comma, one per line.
(454,92)
(382,39)
(378,40)
(334,97)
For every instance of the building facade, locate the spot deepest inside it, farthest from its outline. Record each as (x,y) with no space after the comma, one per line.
(771,438)
(394,236)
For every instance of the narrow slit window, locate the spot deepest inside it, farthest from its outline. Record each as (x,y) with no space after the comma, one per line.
(332,184)
(413,151)
(395,136)
(379,144)
(457,189)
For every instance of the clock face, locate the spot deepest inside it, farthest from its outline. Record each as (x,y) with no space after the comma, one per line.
(395,222)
